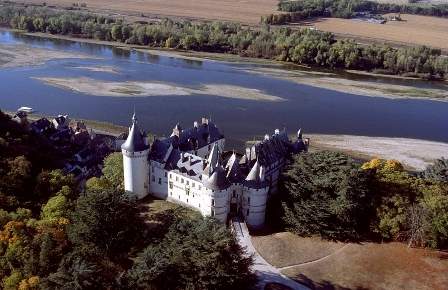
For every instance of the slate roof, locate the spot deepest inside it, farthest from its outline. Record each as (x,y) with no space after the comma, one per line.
(271,150)
(233,169)
(135,141)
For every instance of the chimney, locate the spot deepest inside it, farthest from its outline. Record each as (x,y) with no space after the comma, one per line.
(195,124)
(277,132)
(266,137)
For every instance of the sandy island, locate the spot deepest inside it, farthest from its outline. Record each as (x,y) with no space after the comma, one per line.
(100,68)
(332,81)
(413,153)
(23,55)
(146,89)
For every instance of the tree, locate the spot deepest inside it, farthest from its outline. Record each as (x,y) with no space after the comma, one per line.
(326,194)
(116,32)
(107,221)
(56,207)
(83,269)
(196,253)
(113,170)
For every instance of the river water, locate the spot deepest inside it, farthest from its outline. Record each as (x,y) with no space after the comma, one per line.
(314,109)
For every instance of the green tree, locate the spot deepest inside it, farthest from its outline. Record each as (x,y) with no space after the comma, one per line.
(326,194)
(113,170)
(57,207)
(196,253)
(116,32)
(107,220)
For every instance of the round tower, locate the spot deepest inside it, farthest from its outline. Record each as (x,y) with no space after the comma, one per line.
(135,152)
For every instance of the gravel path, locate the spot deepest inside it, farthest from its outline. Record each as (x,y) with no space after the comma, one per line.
(265,272)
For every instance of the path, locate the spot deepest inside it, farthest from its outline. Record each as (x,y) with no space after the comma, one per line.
(265,272)
(314,261)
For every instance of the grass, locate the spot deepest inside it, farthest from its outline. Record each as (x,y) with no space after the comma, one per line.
(355,266)
(152,208)
(279,248)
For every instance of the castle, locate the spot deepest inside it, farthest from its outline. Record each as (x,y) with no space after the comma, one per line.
(191,168)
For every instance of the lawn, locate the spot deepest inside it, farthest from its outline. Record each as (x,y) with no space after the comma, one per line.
(329,265)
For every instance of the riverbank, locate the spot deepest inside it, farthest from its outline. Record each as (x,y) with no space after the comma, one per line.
(296,73)
(414,154)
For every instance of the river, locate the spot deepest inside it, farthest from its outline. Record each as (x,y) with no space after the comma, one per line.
(316,110)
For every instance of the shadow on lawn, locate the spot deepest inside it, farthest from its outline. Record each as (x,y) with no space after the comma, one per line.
(322,285)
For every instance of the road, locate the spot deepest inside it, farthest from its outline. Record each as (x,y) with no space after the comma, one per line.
(266,273)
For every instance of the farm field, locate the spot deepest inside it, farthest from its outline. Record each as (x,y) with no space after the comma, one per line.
(415,29)
(324,265)
(245,11)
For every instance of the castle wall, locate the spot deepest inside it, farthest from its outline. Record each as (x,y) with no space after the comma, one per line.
(158,185)
(254,205)
(136,172)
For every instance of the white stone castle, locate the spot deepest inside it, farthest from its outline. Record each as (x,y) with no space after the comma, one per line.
(190,168)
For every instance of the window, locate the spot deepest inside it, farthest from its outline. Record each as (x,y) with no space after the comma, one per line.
(213,202)
(199,205)
(248,201)
(165,173)
(171,176)
(181,180)
(171,193)
(160,180)
(188,182)
(171,185)
(187,191)
(177,178)
(192,184)
(247,212)
(200,187)
(234,193)
(187,200)
(213,212)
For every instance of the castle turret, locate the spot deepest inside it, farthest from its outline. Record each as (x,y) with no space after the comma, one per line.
(255,196)
(135,161)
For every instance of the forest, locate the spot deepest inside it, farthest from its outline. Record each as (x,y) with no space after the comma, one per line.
(330,195)
(57,234)
(303,9)
(299,46)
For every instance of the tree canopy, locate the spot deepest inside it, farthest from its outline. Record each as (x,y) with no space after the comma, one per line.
(195,253)
(326,194)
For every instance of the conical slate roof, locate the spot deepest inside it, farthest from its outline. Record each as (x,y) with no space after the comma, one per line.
(254,174)
(135,141)
(217,180)
(233,169)
(255,178)
(213,160)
